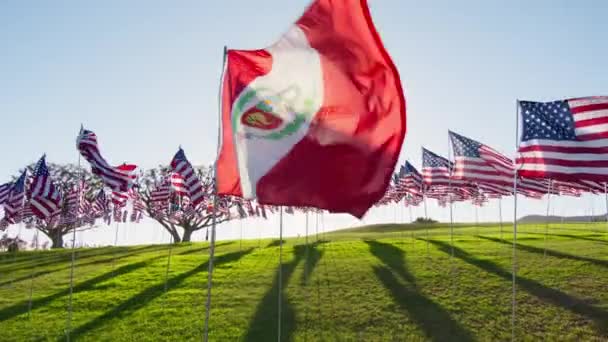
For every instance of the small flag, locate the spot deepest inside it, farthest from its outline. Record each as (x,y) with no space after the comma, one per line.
(118,178)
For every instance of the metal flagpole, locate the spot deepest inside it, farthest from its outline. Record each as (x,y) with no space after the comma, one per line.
(115,245)
(280,270)
(410,210)
(168,263)
(450,198)
(317,224)
(549,188)
(476,219)
(425,210)
(500,215)
(606,199)
(69,319)
(306,279)
(215,202)
(241,241)
(170,252)
(29,305)
(514,257)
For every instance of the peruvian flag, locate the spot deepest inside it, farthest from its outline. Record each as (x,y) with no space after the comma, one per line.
(316,119)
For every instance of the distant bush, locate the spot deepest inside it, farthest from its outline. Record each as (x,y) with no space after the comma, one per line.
(423,220)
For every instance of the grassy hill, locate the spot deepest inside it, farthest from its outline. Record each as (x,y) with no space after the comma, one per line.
(376,283)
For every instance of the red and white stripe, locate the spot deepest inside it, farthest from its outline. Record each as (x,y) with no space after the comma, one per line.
(585,158)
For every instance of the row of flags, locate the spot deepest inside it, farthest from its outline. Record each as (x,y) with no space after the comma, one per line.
(561,153)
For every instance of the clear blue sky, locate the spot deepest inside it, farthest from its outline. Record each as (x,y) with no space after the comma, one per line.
(144,74)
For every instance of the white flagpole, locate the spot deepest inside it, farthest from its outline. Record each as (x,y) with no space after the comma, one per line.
(81,184)
(450,198)
(606,199)
(514,257)
(549,188)
(29,305)
(170,252)
(500,215)
(215,202)
(115,245)
(280,271)
(241,241)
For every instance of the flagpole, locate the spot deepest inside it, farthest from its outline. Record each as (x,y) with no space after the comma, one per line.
(549,189)
(29,305)
(450,198)
(306,278)
(500,215)
(69,319)
(215,201)
(280,271)
(514,256)
(115,245)
(606,199)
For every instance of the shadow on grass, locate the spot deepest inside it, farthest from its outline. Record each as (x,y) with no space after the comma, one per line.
(264,323)
(22,307)
(78,265)
(311,260)
(436,322)
(576,237)
(142,299)
(578,306)
(393,257)
(549,252)
(275,243)
(196,250)
(66,256)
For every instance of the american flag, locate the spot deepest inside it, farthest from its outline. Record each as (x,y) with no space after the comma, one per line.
(410,179)
(45,199)
(412,200)
(100,203)
(178,185)
(491,170)
(263,210)
(436,177)
(240,210)
(4,190)
(118,178)
(565,139)
(480,163)
(193,185)
(435,169)
(160,195)
(119,199)
(15,202)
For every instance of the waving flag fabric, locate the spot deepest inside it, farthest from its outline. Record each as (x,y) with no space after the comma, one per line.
(178,185)
(565,139)
(4,191)
(15,202)
(480,163)
(316,119)
(435,169)
(410,179)
(190,181)
(45,198)
(100,203)
(118,178)
(160,195)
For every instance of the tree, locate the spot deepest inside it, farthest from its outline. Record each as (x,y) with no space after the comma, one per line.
(67,177)
(175,212)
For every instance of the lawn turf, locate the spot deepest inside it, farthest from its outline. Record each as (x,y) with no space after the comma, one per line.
(374,283)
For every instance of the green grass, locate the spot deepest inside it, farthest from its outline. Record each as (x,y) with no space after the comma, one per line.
(376,283)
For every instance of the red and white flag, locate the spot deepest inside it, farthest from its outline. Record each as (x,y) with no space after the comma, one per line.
(316,119)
